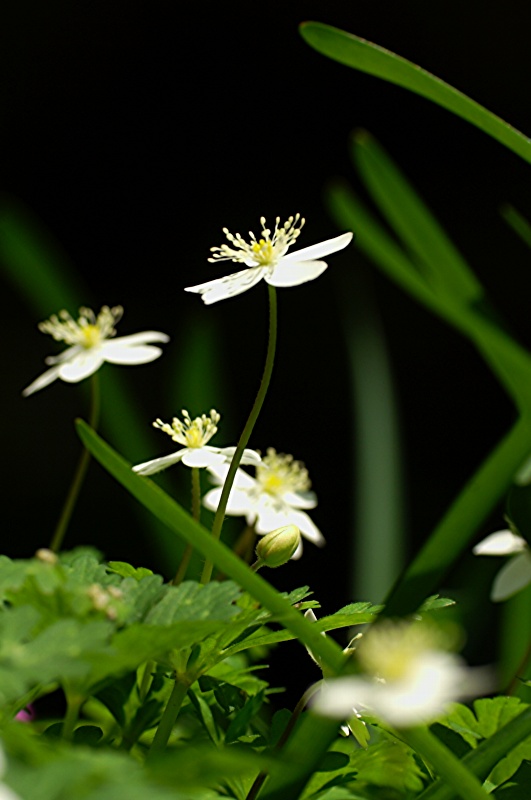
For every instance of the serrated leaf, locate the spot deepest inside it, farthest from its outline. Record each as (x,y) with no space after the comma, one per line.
(488,715)
(435,602)
(240,723)
(194,601)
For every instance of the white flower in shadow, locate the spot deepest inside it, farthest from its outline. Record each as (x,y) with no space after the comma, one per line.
(91,344)
(516,574)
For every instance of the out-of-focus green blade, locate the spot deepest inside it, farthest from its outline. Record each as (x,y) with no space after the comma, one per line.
(518,223)
(512,365)
(35,266)
(368,57)
(442,265)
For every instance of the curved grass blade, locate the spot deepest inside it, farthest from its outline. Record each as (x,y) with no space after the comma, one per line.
(171,514)
(518,223)
(371,58)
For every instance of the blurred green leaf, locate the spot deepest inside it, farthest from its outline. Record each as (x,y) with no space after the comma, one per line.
(368,57)
(518,223)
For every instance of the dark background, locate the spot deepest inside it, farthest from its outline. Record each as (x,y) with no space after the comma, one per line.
(136,130)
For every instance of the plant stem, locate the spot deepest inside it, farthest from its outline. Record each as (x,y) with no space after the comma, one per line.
(452,771)
(73,706)
(80,472)
(249,425)
(169,716)
(146,680)
(196,514)
(286,733)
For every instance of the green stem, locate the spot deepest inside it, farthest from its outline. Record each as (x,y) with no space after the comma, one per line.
(196,514)
(249,425)
(452,771)
(169,716)
(483,758)
(79,474)
(146,680)
(297,711)
(73,706)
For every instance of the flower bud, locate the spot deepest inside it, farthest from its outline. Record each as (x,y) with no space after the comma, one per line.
(276,548)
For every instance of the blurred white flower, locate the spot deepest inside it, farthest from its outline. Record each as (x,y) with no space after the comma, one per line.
(266,258)
(5,792)
(516,574)
(273,499)
(91,343)
(409,678)
(194,434)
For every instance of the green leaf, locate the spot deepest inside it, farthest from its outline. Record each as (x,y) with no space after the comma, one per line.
(193,601)
(239,725)
(127,571)
(488,716)
(518,223)
(368,57)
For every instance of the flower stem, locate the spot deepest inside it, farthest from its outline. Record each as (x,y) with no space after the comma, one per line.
(249,425)
(73,706)
(196,514)
(297,711)
(169,716)
(452,771)
(80,472)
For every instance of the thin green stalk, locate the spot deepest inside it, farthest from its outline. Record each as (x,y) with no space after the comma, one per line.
(196,514)
(254,791)
(249,425)
(79,474)
(147,676)
(73,706)
(483,758)
(452,771)
(169,716)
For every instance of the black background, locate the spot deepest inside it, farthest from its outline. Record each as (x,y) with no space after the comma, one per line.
(135,131)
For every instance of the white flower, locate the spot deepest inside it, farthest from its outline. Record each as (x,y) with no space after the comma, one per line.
(194,434)
(516,574)
(91,344)
(273,499)
(5,792)
(266,258)
(409,679)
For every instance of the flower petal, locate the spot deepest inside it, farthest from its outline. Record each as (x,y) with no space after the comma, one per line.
(307,527)
(300,499)
(501,543)
(229,286)
(43,380)
(238,505)
(81,366)
(141,338)
(158,464)
(295,273)
(248,456)
(242,480)
(66,355)
(203,457)
(512,577)
(117,353)
(319,250)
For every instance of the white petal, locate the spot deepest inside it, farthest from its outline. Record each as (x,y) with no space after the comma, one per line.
(319,250)
(501,543)
(140,338)
(81,366)
(307,527)
(43,380)
(294,274)
(66,355)
(298,552)
(157,464)
(241,480)
(512,577)
(300,499)
(238,505)
(229,286)
(118,353)
(202,457)
(248,456)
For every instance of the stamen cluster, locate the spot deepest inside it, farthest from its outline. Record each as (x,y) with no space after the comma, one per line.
(266,250)
(191,432)
(279,473)
(89,328)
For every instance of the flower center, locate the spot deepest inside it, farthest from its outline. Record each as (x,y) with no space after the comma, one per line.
(263,252)
(391,650)
(193,433)
(279,473)
(88,330)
